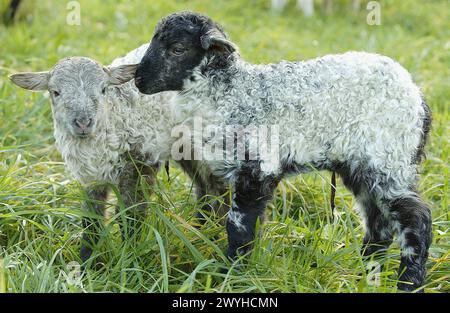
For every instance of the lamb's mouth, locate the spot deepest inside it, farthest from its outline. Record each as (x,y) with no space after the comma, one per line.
(83,135)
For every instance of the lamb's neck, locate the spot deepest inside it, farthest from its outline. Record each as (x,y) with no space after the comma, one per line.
(216,81)
(235,67)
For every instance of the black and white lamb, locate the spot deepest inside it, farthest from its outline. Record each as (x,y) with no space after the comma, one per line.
(109,133)
(357,114)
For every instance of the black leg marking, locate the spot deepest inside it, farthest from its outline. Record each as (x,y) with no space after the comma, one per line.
(414,232)
(408,216)
(378,235)
(251,193)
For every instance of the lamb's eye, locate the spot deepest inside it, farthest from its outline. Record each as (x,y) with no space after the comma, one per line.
(178,50)
(55,93)
(104,90)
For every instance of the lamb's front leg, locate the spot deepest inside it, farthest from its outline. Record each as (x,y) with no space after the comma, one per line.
(133,196)
(251,192)
(94,205)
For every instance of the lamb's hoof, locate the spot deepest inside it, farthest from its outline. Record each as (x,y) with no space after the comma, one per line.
(234,253)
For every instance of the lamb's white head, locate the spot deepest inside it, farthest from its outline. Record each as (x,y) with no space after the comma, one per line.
(78,87)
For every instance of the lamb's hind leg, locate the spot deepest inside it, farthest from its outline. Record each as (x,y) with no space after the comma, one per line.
(413,222)
(378,236)
(406,215)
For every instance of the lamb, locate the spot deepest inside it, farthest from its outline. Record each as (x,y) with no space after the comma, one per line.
(357,114)
(109,133)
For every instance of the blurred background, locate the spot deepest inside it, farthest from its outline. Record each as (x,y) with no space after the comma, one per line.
(39,201)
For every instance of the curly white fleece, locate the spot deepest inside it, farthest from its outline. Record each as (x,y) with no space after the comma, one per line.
(359,108)
(128,122)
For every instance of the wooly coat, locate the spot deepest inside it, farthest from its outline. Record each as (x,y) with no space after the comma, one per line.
(109,133)
(357,114)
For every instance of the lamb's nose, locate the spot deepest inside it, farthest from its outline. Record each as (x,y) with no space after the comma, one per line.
(83,123)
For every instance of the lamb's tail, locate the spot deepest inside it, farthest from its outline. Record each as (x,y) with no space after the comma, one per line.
(426,126)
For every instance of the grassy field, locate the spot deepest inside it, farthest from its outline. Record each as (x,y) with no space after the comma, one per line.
(302,247)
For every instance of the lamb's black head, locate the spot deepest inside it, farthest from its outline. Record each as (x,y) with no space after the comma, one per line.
(180,42)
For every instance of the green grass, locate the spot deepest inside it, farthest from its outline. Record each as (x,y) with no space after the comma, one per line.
(302,248)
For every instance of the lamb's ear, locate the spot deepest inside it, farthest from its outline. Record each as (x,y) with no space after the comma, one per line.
(31,81)
(216,40)
(121,74)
